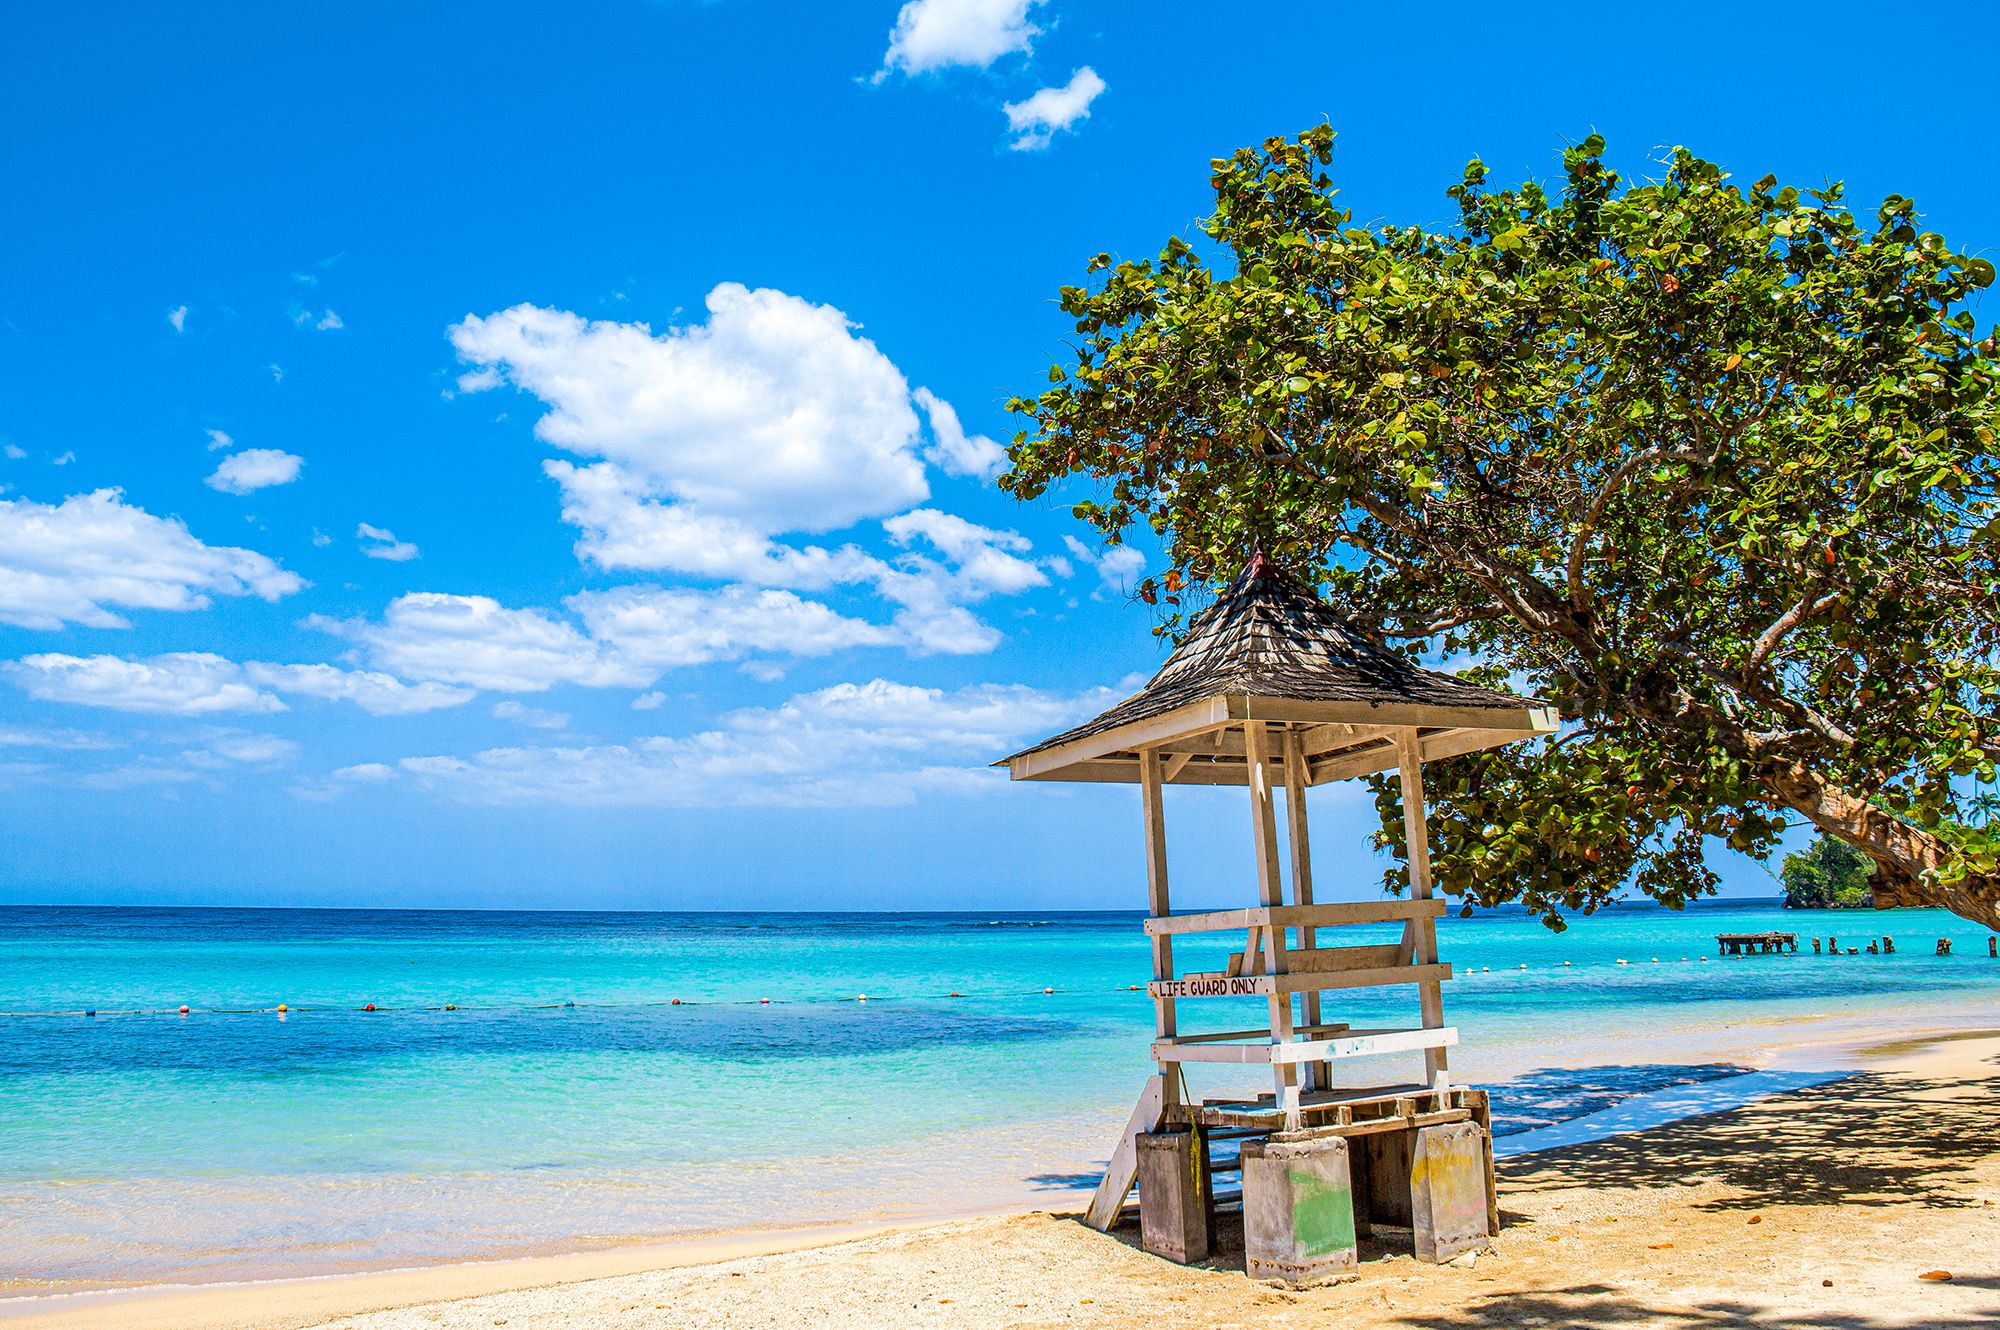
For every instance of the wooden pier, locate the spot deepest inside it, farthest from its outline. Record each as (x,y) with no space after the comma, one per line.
(1755,944)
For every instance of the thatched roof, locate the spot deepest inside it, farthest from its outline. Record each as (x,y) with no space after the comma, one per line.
(1270,649)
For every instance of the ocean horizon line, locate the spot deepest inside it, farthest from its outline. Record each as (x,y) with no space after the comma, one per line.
(1509,910)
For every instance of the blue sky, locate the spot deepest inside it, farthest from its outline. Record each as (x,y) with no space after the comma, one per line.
(539,455)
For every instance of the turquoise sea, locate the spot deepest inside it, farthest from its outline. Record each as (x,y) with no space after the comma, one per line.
(529,1083)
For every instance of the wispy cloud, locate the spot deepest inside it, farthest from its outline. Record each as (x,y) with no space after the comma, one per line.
(849,745)
(199,683)
(378,543)
(1037,119)
(534,717)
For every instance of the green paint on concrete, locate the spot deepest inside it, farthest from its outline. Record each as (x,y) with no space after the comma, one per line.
(1322,1214)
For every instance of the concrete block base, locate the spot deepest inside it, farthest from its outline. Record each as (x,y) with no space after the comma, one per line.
(1448,1191)
(1174,1197)
(1298,1210)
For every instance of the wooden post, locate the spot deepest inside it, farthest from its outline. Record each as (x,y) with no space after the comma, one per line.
(1302,878)
(1271,891)
(1153,803)
(1421,933)
(1123,1170)
(1163,1089)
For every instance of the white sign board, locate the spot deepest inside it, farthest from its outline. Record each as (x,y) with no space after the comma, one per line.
(1241,985)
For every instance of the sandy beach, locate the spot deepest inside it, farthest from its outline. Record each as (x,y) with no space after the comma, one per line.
(1835,1205)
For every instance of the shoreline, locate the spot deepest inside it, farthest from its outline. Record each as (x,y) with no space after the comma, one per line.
(300,1301)
(307,1300)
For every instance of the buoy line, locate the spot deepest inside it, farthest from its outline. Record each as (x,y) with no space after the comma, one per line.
(283,1009)
(367,1008)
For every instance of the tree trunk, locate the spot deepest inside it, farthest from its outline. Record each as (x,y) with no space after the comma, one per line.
(1906,858)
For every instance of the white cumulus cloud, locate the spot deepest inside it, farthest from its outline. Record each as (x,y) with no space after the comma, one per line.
(774,413)
(376,693)
(177,318)
(184,683)
(852,744)
(477,641)
(255,469)
(195,683)
(656,628)
(713,442)
(936,34)
(628,637)
(1038,118)
(82,560)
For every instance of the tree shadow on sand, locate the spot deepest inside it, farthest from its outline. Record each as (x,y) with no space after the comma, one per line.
(1599,1305)
(1867,1139)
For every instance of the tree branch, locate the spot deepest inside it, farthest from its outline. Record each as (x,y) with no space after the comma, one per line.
(1796,712)
(1768,641)
(1579,595)
(1445,625)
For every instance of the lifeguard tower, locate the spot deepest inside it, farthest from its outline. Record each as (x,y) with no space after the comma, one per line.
(1271,689)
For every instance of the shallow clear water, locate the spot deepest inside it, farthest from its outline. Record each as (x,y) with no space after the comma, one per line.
(140,1145)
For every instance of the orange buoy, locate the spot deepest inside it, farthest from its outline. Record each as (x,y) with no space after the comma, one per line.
(184,1010)
(677,1002)
(956,993)
(765,1001)
(1048,990)
(369,1007)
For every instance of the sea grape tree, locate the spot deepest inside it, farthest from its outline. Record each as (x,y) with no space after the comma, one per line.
(1710,467)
